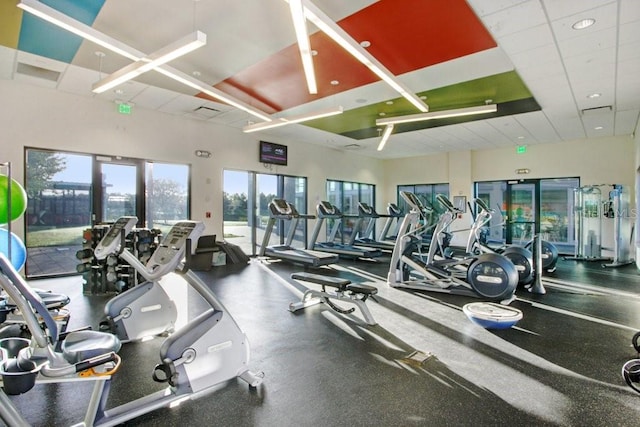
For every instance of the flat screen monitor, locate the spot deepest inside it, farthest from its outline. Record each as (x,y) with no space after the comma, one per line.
(273,153)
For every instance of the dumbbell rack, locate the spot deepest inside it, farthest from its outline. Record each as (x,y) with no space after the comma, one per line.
(113,275)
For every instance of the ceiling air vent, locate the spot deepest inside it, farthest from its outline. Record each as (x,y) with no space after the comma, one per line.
(597,110)
(203,112)
(37,72)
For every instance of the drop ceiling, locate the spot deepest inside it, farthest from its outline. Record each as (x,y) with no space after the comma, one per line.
(551,83)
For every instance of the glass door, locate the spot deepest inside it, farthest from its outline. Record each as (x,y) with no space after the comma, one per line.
(527,207)
(119,195)
(266,189)
(522,219)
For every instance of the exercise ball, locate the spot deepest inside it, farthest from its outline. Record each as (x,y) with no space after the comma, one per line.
(18,250)
(18,200)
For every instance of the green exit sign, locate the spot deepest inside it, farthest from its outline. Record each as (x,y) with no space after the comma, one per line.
(521,149)
(124,108)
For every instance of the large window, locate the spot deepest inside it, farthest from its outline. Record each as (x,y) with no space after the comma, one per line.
(246,197)
(346,196)
(427,194)
(70,192)
(167,194)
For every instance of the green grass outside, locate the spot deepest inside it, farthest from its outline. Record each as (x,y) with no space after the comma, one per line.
(54,236)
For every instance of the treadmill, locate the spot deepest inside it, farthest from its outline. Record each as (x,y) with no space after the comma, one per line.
(326,210)
(368,215)
(280,209)
(394,214)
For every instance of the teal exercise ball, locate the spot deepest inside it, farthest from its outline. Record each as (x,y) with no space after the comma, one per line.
(18,200)
(18,250)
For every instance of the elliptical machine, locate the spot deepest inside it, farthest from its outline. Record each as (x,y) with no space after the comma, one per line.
(489,275)
(477,244)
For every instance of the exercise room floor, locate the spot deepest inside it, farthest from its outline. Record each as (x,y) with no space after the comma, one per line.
(560,366)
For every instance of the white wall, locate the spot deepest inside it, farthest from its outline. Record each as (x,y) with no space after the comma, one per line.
(596,161)
(45,118)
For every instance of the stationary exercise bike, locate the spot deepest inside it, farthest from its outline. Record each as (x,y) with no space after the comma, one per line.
(195,359)
(146,309)
(491,276)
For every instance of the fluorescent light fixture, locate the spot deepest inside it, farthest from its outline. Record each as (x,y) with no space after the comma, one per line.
(78,28)
(484,109)
(335,32)
(162,56)
(385,137)
(300,26)
(291,120)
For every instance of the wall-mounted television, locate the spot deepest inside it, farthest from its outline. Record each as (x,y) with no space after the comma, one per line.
(273,153)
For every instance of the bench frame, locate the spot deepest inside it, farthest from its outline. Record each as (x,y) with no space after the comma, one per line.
(356,294)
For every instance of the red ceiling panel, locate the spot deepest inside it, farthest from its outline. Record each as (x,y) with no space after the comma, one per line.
(405,35)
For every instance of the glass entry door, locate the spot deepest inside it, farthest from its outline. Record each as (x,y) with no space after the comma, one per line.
(524,208)
(522,212)
(119,195)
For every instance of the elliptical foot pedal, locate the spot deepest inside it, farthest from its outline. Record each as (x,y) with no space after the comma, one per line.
(490,315)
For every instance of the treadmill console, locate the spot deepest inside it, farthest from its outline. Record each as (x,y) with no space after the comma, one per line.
(280,208)
(366,210)
(171,250)
(326,209)
(110,243)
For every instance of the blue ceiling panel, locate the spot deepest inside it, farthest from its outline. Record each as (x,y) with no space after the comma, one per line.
(42,38)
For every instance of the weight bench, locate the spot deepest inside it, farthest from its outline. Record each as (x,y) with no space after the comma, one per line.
(354,293)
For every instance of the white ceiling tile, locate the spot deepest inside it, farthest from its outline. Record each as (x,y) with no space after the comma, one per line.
(544,131)
(626,121)
(514,19)
(563,8)
(629,11)
(605,16)
(153,97)
(484,7)
(527,39)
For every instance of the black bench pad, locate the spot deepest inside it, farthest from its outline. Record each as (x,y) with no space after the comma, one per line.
(319,279)
(359,288)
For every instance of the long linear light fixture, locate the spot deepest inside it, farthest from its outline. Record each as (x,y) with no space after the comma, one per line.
(160,57)
(469,111)
(335,32)
(61,20)
(385,136)
(300,27)
(291,120)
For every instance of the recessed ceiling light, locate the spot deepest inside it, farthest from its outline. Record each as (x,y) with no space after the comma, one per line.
(382,114)
(594,95)
(335,82)
(521,137)
(314,52)
(365,43)
(583,23)
(100,54)
(196,74)
(423,97)
(598,127)
(389,102)
(119,92)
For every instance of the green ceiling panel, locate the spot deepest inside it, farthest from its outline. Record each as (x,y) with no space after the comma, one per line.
(506,89)
(504,109)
